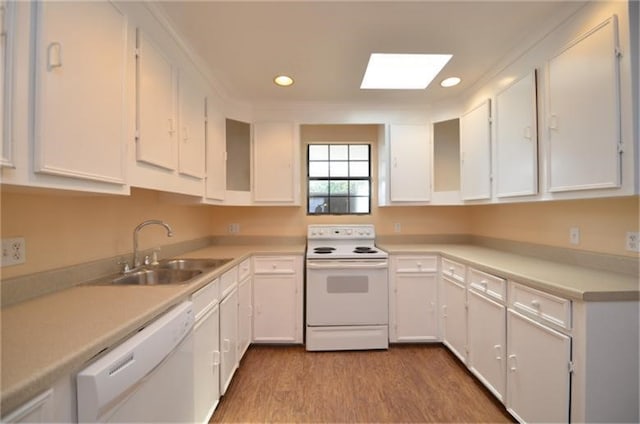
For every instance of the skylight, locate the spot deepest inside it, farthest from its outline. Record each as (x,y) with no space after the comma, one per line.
(402,71)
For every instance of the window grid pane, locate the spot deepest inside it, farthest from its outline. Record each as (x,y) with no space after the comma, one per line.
(339,180)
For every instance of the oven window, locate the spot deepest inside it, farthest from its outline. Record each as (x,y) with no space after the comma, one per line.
(339,179)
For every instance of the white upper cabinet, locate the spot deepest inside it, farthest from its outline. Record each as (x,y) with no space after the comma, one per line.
(475,153)
(192,128)
(80,75)
(276,173)
(516,139)
(157,127)
(584,112)
(7,20)
(216,152)
(409,163)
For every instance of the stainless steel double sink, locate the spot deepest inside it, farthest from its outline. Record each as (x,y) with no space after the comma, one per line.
(167,271)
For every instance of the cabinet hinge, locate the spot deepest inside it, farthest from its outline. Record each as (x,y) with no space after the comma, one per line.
(137,136)
(618,51)
(572,367)
(620,148)
(136,52)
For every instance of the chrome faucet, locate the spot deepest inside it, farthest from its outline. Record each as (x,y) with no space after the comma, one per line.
(136,259)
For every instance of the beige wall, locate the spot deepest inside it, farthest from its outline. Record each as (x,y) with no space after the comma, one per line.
(62,230)
(603,223)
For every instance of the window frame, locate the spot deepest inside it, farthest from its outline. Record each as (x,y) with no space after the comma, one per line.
(348,196)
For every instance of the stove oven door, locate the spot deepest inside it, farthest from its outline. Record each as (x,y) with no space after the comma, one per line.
(347,292)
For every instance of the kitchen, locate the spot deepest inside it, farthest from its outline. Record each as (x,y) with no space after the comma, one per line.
(65,224)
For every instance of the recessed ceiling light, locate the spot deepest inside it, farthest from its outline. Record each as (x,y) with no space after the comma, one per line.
(402,71)
(450,82)
(283,80)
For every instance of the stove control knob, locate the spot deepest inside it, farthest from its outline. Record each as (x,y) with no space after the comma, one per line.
(349,232)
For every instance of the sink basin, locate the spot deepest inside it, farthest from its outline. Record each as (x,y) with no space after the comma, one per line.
(191,264)
(156,276)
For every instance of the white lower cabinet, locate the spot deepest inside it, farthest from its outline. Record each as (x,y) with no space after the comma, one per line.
(206,351)
(245,309)
(539,371)
(413,299)
(277,299)
(228,338)
(56,404)
(454,317)
(487,341)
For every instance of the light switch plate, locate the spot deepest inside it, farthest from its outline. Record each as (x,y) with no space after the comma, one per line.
(574,235)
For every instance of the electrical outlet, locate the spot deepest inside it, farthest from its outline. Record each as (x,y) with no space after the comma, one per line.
(397,228)
(633,241)
(234,228)
(14,251)
(574,235)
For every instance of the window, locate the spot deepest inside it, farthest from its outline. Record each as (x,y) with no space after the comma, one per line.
(339,179)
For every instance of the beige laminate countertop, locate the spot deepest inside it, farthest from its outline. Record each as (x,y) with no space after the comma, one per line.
(573,282)
(52,336)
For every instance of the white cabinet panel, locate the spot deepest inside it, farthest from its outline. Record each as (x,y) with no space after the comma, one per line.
(191,148)
(475,153)
(216,164)
(275,316)
(454,317)
(228,339)
(6,82)
(538,375)
(207,364)
(517,139)
(584,112)
(410,163)
(415,304)
(275,162)
(79,113)
(157,126)
(245,315)
(487,342)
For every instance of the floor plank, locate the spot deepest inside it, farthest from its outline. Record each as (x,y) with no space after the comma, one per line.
(406,383)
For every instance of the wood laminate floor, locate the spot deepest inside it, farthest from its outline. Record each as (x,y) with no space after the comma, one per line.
(407,383)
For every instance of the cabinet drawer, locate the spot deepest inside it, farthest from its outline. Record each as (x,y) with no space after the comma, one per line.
(274,265)
(487,284)
(244,269)
(416,264)
(228,281)
(205,298)
(453,269)
(541,306)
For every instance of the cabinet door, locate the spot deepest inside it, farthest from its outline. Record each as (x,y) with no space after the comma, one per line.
(7,20)
(207,365)
(415,317)
(475,153)
(275,173)
(216,152)
(79,122)
(192,128)
(454,318)
(275,308)
(517,139)
(538,371)
(410,163)
(584,113)
(487,342)
(157,126)
(228,339)
(245,309)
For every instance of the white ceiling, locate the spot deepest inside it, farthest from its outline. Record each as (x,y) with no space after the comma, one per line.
(325,45)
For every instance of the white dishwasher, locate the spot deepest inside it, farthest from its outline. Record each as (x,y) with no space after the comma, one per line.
(147,378)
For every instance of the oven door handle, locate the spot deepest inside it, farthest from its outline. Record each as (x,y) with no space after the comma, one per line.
(347,265)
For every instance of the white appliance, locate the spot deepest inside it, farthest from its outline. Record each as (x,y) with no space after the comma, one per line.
(148,378)
(347,298)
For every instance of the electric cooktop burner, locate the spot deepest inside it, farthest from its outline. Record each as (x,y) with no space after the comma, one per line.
(323,250)
(364,249)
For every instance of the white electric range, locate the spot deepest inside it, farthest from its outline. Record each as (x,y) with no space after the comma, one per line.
(346,289)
